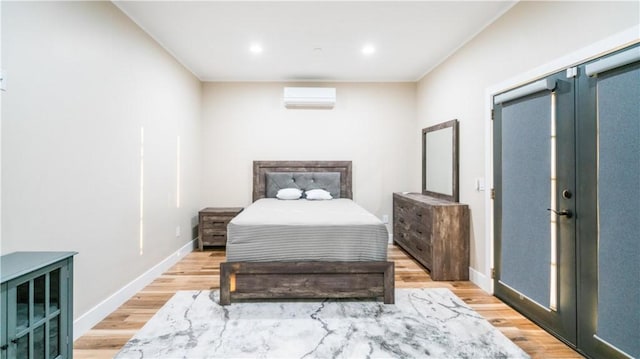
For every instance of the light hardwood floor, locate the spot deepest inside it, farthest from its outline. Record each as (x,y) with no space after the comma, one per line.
(200,270)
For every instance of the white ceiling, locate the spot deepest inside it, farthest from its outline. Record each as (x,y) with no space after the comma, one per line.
(312,41)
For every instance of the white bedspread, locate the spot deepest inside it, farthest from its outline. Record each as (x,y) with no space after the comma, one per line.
(302,230)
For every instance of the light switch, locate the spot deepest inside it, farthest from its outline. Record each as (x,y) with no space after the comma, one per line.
(3,80)
(479,184)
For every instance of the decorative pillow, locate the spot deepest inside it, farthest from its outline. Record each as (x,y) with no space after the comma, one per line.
(318,194)
(289,193)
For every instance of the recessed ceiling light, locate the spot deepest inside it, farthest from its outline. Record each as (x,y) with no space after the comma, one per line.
(368,49)
(255,48)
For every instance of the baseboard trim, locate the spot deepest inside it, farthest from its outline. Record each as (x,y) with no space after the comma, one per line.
(481,280)
(94,315)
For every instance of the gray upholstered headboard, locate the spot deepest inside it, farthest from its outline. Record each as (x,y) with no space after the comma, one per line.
(328,181)
(317,169)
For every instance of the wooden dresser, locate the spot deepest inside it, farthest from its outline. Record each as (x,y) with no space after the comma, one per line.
(212,226)
(435,232)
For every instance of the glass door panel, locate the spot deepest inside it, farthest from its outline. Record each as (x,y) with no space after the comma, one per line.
(39,342)
(22,307)
(54,337)
(54,290)
(526,185)
(22,346)
(619,210)
(39,294)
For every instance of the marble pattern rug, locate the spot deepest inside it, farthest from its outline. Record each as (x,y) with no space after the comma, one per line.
(423,323)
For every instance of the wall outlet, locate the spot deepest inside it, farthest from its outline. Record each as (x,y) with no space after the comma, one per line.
(178,231)
(385,218)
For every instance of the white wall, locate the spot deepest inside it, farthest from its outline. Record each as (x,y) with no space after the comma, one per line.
(527,36)
(372,124)
(84,79)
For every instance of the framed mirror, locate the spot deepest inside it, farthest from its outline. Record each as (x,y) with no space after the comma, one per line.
(440,161)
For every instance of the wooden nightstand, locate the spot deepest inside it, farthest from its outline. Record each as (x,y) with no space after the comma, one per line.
(212,226)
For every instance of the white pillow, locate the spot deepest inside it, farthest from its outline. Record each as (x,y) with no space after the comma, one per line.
(318,194)
(289,193)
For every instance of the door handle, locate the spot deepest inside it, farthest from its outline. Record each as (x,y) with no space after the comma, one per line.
(564,212)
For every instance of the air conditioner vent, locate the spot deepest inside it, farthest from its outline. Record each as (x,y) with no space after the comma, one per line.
(309,97)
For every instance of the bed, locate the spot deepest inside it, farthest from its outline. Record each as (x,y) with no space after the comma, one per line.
(279,249)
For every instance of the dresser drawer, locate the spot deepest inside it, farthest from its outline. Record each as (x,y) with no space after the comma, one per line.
(410,222)
(417,246)
(408,210)
(411,215)
(420,249)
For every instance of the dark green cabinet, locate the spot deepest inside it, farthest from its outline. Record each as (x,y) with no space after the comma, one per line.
(36,314)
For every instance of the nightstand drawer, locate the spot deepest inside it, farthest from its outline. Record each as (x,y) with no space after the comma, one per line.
(214,231)
(214,239)
(215,222)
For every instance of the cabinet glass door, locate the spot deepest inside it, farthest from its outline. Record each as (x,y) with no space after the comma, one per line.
(34,316)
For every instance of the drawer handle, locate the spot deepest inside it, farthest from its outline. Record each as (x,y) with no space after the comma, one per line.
(419,214)
(401,220)
(419,232)
(420,249)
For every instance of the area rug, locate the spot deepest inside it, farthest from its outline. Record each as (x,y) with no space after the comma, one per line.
(423,323)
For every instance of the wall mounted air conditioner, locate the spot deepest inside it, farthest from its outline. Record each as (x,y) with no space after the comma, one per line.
(309,97)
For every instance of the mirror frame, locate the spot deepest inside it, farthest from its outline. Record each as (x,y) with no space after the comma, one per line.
(454,197)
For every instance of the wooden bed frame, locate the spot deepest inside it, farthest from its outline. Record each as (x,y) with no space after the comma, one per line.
(279,280)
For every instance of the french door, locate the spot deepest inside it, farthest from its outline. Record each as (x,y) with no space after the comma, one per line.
(567,203)
(534,141)
(609,206)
